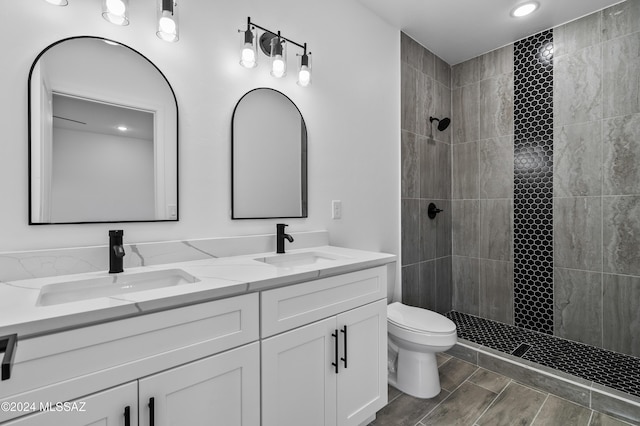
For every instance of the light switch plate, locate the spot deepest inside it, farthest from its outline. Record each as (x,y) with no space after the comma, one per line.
(173,211)
(336,209)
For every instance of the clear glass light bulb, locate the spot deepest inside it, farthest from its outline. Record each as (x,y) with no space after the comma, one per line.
(278,67)
(167,29)
(167,25)
(116,7)
(115,11)
(304,76)
(248,58)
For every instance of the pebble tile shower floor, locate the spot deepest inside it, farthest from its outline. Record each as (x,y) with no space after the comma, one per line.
(611,369)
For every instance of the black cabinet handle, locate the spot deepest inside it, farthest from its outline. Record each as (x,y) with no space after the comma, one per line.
(344,330)
(335,364)
(8,345)
(127,416)
(152,404)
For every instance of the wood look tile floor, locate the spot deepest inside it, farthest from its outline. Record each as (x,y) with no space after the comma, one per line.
(473,396)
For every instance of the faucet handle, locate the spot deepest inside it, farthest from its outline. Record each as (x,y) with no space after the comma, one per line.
(280,226)
(118,250)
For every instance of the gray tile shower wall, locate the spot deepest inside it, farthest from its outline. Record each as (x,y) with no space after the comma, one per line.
(578,300)
(596,181)
(496,290)
(426,178)
(482,190)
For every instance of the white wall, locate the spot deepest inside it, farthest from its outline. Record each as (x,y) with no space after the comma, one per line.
(101,177)
(351,110)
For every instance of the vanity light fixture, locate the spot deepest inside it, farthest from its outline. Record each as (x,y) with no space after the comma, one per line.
(168,20)
(274,45)
(524,9)
(58,2)
(116,11)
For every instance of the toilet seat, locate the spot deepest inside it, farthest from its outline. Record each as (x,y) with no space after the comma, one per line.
(419,320)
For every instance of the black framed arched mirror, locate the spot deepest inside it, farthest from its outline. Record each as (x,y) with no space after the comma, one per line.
(103,136)
(268,157)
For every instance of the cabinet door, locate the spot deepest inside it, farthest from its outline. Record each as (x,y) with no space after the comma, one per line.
(298,380)
(223,389)
(105,408)
(362,385)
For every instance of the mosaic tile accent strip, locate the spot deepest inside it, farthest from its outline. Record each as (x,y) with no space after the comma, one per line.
(607,368)
(533,183)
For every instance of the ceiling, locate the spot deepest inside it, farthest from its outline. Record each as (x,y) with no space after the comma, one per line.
(457,30)
(86,115)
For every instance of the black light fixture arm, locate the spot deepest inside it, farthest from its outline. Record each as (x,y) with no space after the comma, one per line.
(253,25)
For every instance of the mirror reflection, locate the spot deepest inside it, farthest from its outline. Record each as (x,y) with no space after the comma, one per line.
(269,157)
(103,143)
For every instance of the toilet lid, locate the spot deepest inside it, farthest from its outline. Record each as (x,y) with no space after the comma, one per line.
(419,319)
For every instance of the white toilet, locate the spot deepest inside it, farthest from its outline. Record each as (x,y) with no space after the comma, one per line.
(415,335)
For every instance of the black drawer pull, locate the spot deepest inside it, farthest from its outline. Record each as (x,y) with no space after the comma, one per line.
(344,330)
(127,416)
(152,404)
(8,345)
(335,364)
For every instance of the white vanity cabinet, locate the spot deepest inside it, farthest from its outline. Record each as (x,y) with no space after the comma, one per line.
(329,368)
(200,353)
(223,387)
(114,407)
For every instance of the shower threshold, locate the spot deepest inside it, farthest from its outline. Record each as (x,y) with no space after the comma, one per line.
(596,378)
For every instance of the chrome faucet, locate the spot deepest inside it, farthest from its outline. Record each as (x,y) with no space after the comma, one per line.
(116,251)
(280,236)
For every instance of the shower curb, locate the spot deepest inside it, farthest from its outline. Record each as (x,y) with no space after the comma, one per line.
(575,389)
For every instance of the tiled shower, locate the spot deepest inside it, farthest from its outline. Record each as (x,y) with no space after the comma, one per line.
(426,178)
(544,213)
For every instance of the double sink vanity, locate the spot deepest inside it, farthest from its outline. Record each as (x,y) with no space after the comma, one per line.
(272,339)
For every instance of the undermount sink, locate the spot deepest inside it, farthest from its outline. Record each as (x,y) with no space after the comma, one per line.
(92,288)
(299,259)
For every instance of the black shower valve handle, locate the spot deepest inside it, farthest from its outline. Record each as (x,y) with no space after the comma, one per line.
(432,211)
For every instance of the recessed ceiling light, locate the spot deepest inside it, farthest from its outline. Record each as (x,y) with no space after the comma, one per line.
(122,128)
(524,9)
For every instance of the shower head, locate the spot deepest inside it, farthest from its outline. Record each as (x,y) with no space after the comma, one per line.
(442,123)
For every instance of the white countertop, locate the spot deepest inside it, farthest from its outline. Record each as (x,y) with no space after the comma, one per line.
(221,277)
